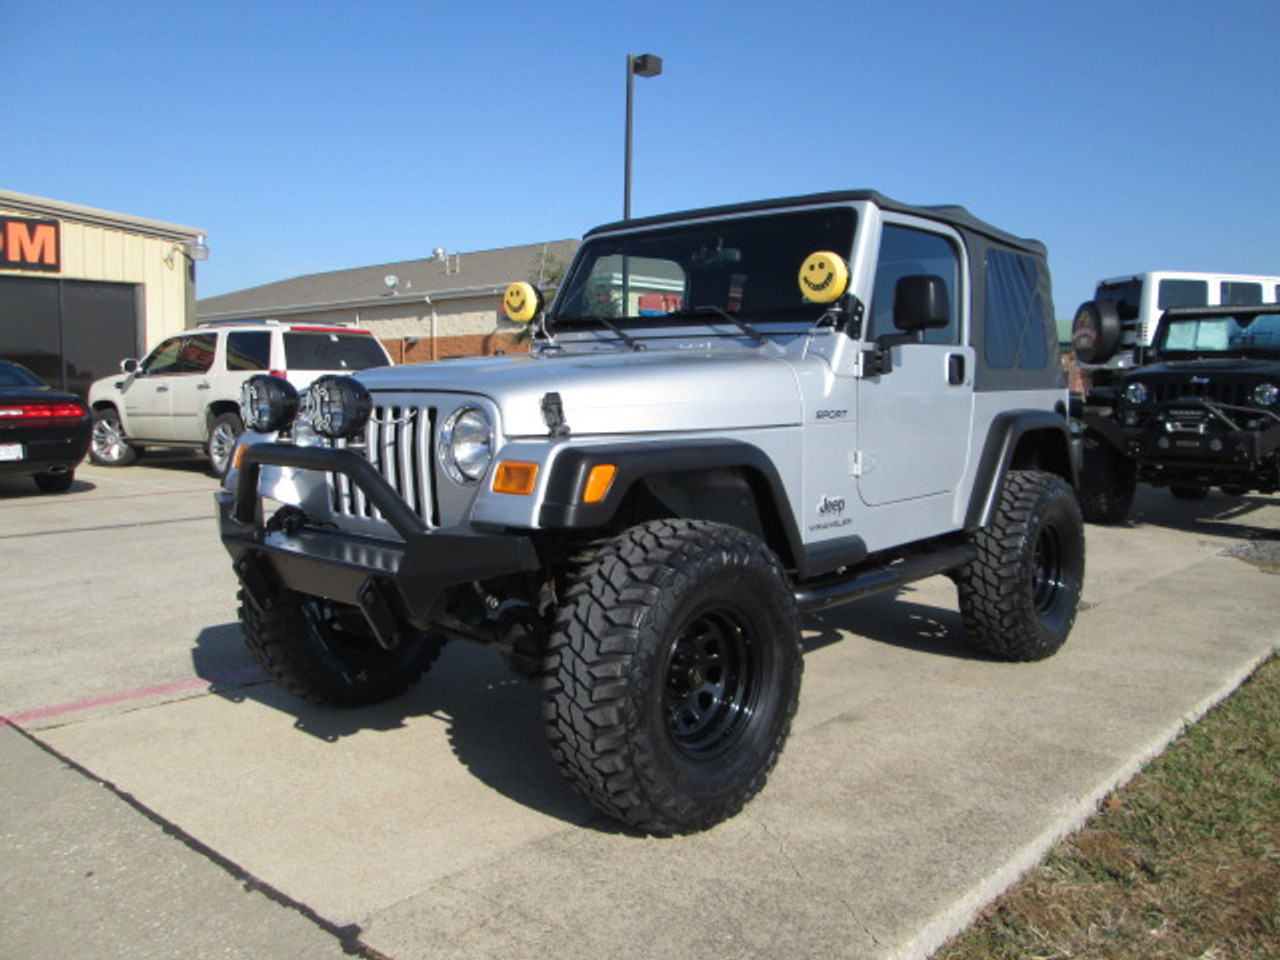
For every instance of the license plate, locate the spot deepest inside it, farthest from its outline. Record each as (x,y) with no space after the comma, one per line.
(11,451)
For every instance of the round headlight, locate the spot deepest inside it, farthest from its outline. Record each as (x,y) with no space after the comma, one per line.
(267,404)
(339,406)
(1266,394)
(1136,392)
(466,444)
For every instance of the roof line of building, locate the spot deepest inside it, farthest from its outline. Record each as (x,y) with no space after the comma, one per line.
(381,300)
(43,207)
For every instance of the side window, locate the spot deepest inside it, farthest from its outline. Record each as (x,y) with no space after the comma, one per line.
(1183,293)
(164,358)
(1237,294)
(196,353)
(1017,314)
(249,350)
(906,252)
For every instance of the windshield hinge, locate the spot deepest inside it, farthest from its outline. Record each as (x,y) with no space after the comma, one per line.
(553,415)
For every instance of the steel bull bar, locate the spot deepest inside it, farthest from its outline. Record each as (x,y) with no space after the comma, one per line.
(393,582)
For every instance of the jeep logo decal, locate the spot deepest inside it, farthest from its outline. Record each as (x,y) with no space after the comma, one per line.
(829,505)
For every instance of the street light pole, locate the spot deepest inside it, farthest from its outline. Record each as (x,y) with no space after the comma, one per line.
(645,65)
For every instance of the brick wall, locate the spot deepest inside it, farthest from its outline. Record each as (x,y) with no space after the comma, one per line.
(424,349)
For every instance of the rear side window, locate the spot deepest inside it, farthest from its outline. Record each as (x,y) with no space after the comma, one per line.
(1183,293)
(1016,313)
(249,350)
(332,351)
(1236,294)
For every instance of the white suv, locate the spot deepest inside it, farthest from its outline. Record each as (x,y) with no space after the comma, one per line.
(186,392)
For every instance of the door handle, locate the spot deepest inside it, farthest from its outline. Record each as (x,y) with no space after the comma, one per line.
(203,386)
(162,389)
(955,369)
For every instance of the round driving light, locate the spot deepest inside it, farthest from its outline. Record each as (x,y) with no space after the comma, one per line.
(267,404)
(339,406)
(1136,392)
(1266,394)
(466,444)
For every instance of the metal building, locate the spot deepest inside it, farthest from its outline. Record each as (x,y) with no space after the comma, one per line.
(81,289)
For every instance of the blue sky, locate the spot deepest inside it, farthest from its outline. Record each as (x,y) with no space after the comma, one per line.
(304,137)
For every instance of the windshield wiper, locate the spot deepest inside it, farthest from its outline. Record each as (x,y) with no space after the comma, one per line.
(703,311)
(612,327)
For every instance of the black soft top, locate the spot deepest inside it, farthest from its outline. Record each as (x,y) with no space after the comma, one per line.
(951,214)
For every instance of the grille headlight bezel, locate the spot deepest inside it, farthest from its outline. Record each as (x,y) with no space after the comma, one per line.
(465,447)
(1265,394)
(1136,392)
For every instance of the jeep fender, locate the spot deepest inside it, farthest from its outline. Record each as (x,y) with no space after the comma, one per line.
(740,479)
(1018,440)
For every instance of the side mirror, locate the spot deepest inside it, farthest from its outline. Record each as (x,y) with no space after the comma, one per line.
(130,366)
(1095,331)
(920,302)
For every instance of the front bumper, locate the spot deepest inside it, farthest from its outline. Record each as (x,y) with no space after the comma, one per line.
(391,581)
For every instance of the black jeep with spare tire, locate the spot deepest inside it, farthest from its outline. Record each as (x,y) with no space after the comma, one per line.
(1202,412)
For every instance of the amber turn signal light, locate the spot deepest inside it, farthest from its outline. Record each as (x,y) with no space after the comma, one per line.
(598,482)
(515,478)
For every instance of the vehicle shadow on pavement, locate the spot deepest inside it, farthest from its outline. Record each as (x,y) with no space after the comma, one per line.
(894,620)
(21,488)
(492,718)
(1217,515)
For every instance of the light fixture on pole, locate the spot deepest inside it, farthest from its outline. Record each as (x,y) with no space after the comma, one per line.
(645,65)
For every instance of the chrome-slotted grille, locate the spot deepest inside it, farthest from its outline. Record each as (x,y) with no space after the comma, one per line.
(398,442)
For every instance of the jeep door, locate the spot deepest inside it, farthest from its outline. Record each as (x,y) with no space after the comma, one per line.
(914,420)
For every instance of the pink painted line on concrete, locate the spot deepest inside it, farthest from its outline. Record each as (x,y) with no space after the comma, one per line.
(124,696)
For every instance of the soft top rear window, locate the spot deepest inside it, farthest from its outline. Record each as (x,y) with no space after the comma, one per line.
(332,351)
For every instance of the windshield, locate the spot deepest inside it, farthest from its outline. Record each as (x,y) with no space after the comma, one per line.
(1257,335)
(740,270)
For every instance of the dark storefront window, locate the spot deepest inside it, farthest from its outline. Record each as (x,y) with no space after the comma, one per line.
(69,332)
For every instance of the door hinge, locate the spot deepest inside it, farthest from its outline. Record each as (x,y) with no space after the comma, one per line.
(857,463)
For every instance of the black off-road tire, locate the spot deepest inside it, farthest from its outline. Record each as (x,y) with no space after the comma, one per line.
(324,652)
(1019,597)
(1108,481)
(1188,491)
(109,447)
(673,674)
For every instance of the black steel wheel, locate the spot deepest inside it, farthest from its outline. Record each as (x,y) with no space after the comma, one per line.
(673,674)
(1019,597)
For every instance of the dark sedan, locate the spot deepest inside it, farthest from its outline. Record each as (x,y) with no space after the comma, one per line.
(44,433)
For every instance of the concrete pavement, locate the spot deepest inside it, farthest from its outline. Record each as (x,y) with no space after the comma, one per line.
(919,781)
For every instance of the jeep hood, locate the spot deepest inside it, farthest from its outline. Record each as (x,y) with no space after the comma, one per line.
(615,392)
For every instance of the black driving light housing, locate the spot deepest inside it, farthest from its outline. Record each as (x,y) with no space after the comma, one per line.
(267,403)
(339,406)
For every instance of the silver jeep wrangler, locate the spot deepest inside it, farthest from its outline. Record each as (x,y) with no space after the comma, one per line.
(730,417)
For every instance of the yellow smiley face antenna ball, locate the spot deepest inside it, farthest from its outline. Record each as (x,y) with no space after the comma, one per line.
(521,302)
(824,277)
